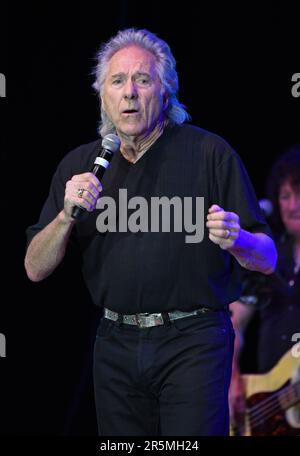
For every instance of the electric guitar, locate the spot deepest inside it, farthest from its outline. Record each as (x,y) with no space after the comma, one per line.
(273,399)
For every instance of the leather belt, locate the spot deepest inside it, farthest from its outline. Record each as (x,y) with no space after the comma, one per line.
(147,320)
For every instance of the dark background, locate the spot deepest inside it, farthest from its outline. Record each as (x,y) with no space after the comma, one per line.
(235,64)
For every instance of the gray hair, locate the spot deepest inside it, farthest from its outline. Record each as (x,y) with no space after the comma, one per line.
(165,65)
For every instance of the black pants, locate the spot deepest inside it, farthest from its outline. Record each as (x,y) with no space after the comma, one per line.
(165,380)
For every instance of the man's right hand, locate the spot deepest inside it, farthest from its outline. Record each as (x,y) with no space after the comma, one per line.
(90,187)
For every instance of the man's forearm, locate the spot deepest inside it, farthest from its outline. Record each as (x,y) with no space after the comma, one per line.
(255,251)
(238,345)
(47,248)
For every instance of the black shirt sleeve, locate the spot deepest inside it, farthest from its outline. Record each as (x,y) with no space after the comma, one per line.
(53,205)
(234,192)
(77,161)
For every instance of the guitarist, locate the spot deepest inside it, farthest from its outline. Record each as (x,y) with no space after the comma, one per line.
(276,298)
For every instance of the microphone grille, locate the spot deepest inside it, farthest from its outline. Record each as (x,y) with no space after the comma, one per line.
(266,206)
(111,142)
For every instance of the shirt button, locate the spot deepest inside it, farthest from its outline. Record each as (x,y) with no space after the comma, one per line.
(283,337)
(291,308)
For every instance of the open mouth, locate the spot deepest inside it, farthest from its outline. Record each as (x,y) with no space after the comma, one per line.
(130,111)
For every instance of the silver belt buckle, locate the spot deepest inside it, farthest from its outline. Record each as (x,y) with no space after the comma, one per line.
(148,320)
(138,320)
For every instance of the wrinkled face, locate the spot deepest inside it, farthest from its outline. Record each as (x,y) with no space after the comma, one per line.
(131,96)
(289,205)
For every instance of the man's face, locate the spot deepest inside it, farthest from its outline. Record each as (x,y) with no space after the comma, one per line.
(289,204)
(132,97)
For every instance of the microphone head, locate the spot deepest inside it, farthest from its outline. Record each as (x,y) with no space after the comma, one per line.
(266,206)
(111,142)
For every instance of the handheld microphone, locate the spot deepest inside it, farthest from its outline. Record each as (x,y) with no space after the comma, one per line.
(110,144)
(266,207)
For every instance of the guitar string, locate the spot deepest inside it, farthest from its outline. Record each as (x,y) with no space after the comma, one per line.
(267,407)
(285,390)
(259,419)
(265,411)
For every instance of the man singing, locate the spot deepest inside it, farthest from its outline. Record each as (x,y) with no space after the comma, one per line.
(163,349)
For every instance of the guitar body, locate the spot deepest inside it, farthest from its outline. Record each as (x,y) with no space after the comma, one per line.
(273,399)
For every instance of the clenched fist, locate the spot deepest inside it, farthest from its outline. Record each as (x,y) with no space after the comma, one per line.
(82,190)
(224,227)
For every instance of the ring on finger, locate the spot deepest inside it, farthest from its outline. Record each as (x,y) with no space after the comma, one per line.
(80,192)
